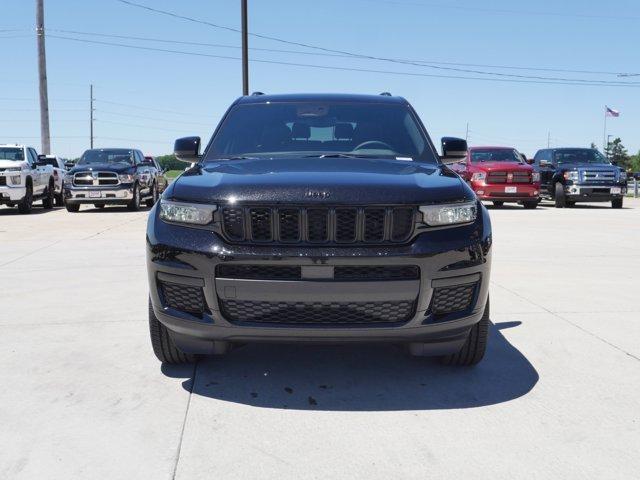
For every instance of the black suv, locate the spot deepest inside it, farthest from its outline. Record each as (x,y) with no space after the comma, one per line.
(319,218)
(570,175)
(111,176)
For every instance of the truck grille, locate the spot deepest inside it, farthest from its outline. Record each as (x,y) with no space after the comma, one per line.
(452,299)
(316,225)
(100,179)
(3,181)
(340,273)
(598,176)
(318,313)
(509,177)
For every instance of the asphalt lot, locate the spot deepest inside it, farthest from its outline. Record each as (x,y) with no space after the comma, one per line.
(557,396)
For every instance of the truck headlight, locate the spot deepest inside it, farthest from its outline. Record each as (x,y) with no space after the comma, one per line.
(125,178)
(186,212)
(449,214)
(478,177)
(16,179)
(573,176)
(535,177)
(13,169)
(622,177)
(68,179)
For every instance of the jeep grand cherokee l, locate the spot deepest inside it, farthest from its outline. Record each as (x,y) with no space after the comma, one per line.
(319,218)
(570,175)
(499,174)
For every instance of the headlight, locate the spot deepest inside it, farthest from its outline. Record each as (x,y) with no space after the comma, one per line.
(68,178)
(478,177)
(186,212)
(573,176)
(623,176)
(13,169)
(535,177)
(449,214)
(125,178)
(16,179)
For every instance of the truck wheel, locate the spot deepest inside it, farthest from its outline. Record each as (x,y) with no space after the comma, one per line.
(59,200)
(154,196)
(73,207)
(134,204)
(616,203)
(530,205)
(498,204)
(475,346)
(99,205)
(570,204)
(47,201)
(25,205)
(163,346)
(560,198)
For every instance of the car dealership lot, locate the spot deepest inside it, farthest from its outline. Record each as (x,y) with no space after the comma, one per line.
(557,395)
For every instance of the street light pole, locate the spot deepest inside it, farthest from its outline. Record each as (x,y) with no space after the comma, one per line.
(91,115)
(45,135)
(245,50)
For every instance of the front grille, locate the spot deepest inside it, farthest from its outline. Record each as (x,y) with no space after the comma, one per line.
(318,313)
(339,225)
(366,273)
(509,177)
(452,299)
(185,298)
(3,181)
(598,176)
(100,179)
(341,273)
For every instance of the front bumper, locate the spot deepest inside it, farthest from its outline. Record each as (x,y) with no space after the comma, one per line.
(445,257)
(576,192)
(506,192)
(12,194)
(122,193)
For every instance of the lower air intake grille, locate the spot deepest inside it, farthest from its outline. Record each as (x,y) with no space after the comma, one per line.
(183,297)
(365,273)
(452,299)
(317,313)
(259,272)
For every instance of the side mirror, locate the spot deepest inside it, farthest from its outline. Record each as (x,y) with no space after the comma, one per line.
(69,164)
(453,150)
(187,149)
(529,160)
(41,162)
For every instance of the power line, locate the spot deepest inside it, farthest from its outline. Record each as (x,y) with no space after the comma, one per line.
(138,107)
(143,117)
(351,54)
(364,70)
(136,125)
(336,55)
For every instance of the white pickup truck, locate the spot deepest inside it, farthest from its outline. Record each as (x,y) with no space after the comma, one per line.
(24,178)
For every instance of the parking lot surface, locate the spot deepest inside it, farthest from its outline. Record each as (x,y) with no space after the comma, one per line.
(557,396)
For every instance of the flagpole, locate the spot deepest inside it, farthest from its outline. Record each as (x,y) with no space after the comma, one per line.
(604,138)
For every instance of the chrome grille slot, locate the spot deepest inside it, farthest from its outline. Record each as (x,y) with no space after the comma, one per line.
(598,176)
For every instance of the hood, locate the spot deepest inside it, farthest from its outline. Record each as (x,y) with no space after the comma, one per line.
(12,164)
(320,180)
(503,166)
(102,167)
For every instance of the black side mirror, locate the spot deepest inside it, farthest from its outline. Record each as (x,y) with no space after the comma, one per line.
(41,162)
(69,164)
(187,149)
(453,149)
(529,160)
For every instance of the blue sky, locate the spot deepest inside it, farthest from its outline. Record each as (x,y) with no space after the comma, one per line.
(148,98)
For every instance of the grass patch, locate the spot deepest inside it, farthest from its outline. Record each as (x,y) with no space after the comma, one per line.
(172,174)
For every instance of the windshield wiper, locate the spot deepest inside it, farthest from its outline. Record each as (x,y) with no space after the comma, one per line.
(343,155)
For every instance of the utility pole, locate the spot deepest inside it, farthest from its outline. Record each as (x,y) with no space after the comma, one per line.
(549,139)
(245,50)
(91,114)
(45,135)
(466,137)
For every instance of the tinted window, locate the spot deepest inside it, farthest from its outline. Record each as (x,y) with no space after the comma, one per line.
(106,155)
(495,155)
(300,128)
(11,153)
(578,155)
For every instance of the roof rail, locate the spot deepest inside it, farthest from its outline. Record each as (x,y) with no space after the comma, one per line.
(385,94)
(256,93)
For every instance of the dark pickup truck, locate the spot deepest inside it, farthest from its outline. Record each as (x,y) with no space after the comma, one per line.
(570,175)
(319,218)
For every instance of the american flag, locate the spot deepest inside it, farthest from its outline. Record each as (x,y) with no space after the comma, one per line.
(610,112)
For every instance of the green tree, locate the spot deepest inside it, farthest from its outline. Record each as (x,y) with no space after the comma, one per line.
(593,145)
(634,162)
(616,152)
(170,162)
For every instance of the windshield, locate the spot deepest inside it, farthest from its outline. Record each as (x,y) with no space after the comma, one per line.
(495,155)
(111,155)
(579,155)
(11,153)
(321,129)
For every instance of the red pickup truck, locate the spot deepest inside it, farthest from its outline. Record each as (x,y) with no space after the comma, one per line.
(499,175)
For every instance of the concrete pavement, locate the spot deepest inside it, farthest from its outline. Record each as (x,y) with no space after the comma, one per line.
(557,396)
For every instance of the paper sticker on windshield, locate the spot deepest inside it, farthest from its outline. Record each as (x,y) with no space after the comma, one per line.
(313,111)
(405,159)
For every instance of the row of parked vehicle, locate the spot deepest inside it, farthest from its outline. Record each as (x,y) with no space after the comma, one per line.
(106,176)
(563,175)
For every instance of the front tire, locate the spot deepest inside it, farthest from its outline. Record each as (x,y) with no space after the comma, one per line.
(150,202)
(616,203)
(560,198)
(48,200)
(99,205)
(134,204)
(163,345)
(498,204)
(475,346)
(72,207)
(26,204)
(530,205)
